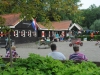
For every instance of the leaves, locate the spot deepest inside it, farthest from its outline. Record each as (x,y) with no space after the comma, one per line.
(95,25)
(43,10)
(91,15)
(38,65)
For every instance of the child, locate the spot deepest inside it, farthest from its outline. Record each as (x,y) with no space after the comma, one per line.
(14,53)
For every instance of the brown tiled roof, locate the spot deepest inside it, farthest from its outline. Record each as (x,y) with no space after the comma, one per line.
(58,25)
(11,19)
(61,24)
(41,26)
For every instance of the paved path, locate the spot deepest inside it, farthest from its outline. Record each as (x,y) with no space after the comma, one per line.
(91,51)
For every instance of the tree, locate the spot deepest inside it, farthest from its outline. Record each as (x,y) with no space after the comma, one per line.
(2,21)
(43,10)
(6,31)
(96,25)
(91,14)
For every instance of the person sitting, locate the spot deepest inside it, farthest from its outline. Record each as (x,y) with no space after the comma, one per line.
(14,53)
(77,56)
(48,39)
(56,55)
(0,55)
(42,39)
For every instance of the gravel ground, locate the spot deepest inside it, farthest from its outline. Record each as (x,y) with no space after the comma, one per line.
(91,51)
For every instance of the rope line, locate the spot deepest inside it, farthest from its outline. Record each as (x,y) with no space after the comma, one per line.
(4,34)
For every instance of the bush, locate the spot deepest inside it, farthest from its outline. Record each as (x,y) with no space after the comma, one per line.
(38,65)
(96,37)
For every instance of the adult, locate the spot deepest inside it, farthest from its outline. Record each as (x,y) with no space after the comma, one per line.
(7,47)
(77,56)
(14,53)
(48,39)
(60,37)
(57,37)
(92,36)
(42,39)
(55,54)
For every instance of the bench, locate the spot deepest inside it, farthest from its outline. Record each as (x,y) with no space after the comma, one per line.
(40,43)
(8,59)
(95,62)
(45,43)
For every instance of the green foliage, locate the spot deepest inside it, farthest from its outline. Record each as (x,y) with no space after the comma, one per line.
(95,25)
(2,21)
(1,61)
(96,37)
(44,10)
(3,28)
(38,65)
(54,10)
(91,14)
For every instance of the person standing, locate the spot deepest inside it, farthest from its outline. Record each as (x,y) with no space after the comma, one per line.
(77,55)
(55,54)
(92,36)
(7,47)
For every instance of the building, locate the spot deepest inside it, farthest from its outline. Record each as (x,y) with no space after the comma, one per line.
(56,27)
(23,31)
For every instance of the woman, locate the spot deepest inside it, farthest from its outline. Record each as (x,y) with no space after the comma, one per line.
(14,53)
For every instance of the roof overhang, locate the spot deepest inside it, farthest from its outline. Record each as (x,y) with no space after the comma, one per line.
(54,29)
(77,26)
(15,24)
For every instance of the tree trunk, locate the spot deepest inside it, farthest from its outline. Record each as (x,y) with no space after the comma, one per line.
(9,41)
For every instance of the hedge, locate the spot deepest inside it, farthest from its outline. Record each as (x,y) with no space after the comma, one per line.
(96,37)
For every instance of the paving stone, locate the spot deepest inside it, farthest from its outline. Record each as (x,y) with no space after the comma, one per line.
(91,51)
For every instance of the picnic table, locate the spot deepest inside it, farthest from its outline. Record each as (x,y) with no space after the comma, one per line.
(44,43)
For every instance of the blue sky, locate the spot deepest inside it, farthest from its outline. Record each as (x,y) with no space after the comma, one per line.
(87,3)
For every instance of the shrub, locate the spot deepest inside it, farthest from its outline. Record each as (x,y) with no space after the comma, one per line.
(96,37)
(38,65)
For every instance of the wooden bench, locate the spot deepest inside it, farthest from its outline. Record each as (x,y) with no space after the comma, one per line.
(8,59)
(95,62)
(45,43)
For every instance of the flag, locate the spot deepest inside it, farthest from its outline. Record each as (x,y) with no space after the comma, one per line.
(34,25)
